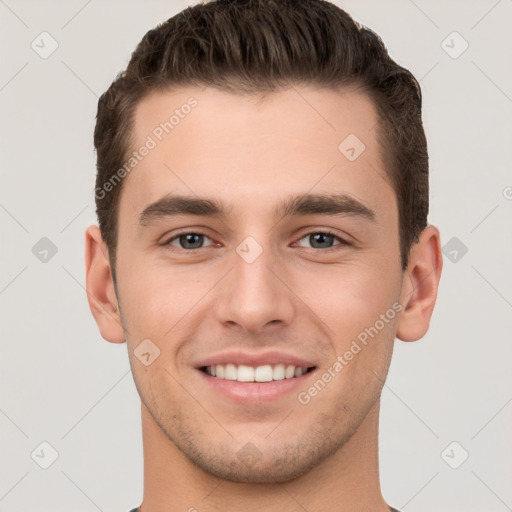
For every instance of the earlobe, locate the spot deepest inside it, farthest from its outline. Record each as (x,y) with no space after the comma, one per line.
(420,285)
(100,287)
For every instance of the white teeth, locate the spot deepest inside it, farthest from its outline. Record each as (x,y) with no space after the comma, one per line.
(245,373)
(298,372)
(264,373)
(290,371)
(230,372)
(278,372)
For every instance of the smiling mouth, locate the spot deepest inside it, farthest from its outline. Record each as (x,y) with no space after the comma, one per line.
(264,373)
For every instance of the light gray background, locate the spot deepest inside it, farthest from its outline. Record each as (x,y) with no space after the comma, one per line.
(63,384)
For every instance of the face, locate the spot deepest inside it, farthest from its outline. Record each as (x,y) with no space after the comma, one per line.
(292,265)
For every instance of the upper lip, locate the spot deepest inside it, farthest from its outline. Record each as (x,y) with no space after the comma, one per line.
(254,359)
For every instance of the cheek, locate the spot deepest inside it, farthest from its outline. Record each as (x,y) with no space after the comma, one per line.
(155,299)
(354,298)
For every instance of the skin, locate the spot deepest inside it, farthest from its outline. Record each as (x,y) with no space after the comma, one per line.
(299,297)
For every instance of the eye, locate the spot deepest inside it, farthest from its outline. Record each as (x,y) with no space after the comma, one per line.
(323,239)
(188,240)
(191,240)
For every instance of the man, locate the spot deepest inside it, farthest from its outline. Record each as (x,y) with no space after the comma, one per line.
(262,195)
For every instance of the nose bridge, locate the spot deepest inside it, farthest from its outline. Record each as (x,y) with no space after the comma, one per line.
(254,294)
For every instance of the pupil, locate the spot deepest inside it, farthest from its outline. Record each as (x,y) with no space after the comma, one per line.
(322,235)
(190,239)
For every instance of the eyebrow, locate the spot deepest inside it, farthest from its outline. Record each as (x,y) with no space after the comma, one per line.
(304,204)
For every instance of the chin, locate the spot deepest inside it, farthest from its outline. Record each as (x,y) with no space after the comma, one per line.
(265,462)
(232,469)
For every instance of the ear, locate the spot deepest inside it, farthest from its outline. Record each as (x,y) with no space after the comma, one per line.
(100,287)
(420,284)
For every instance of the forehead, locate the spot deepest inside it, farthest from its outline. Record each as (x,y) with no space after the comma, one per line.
(206,142)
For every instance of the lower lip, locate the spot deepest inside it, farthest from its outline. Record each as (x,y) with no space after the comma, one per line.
(255,392)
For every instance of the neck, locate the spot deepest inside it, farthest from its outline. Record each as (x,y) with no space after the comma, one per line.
(346,481)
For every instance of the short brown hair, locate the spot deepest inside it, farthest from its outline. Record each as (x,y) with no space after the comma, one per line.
(260,46)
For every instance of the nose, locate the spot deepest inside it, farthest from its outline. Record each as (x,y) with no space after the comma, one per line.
(255,296)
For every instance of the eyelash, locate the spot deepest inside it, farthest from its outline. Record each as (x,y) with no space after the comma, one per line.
(342,241)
